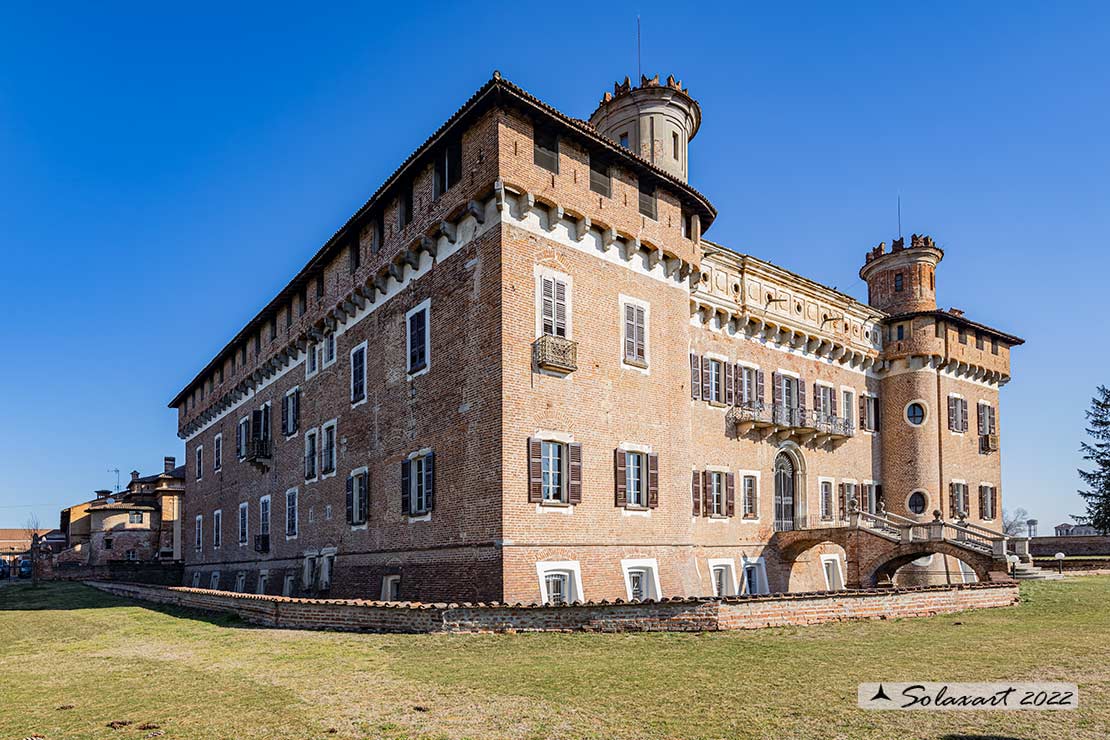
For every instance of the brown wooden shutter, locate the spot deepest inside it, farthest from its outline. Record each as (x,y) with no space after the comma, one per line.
(574,466)
(862,413)
(653,480)
(776,389)
(695,377)
(952,507)
(406,486)
(629,332)
(285,402)
(363,494)
(832,397)
(296,411)
(963,415)
(620,476)
(535,471)
(730,379)
(706,494)
(982,502)
(706,381)
(841,501)
(802,395)
(952,413)
(759,386)
(350,500)
(992,420)
(430,480)
(695,491)
(994,502)
(730,494)
(981,410)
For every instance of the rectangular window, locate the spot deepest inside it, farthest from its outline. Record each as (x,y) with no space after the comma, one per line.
(418,338)
(600,181)
(899,281)
(214,581)
(746,386)
(200,462)
(217,528)
(674,145)
(715,368)
(826,500)
(448,167)
(635,478)
(848,399)
(310,455)
(958,503)
(420,484)
(273,329)
(355,254)
(963,335)
(289,316)
(978,340)
(823,400)
(717,493)
(377,232)
(291,412)
(635,335)
(556,588)
(327,461)
(851,491)
(320,286)
(358,499)
(218,452)
(554,460)
(900,332)
(358,374)
(869,419)
(329,349)
(553,307)
(244,514)
(404,206)
(994,345)
(134,517)
(546,150)
(986,502)
(291,513)
(391,588)
(264,516)
(637,585)
(198,534)
(647,199)
(750,502)
(624,140)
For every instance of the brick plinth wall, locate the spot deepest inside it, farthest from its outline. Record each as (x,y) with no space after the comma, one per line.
(677,615)
(1071,546)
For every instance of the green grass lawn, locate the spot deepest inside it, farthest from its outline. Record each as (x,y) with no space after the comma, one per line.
(111,660)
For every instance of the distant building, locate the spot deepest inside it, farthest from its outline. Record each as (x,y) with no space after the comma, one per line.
(1075,530)
(141,523)
(14,543)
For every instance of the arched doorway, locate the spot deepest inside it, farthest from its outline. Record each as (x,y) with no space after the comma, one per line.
(784,493)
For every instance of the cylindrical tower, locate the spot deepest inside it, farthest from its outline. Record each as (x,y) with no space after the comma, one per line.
(655,120)
(904,279)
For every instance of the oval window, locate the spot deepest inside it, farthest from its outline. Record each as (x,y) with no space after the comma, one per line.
(915,414)
(917,502)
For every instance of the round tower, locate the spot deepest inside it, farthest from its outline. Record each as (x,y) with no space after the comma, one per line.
(655,120)
(904,279)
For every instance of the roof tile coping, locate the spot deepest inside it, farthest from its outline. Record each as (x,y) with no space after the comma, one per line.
(495,83)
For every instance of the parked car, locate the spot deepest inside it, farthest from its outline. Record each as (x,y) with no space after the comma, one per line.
(25,568)
(5,570)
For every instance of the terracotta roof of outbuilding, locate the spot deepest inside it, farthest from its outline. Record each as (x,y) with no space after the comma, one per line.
(496,85)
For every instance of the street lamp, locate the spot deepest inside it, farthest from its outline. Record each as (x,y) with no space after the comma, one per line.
(1013,560)
(1060,560)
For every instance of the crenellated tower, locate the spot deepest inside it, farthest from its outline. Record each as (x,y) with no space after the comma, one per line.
(903,280)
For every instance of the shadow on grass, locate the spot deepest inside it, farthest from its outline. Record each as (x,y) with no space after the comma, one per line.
(69,596)
(980,737)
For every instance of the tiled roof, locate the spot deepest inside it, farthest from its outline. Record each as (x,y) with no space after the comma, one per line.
(492,91)
(960,320)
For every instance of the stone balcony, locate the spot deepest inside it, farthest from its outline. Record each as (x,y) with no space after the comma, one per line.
(786,422)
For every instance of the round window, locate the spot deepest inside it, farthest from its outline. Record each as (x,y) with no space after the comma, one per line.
(917,502)
(915,414)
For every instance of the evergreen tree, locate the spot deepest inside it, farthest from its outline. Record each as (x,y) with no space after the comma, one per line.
(1098,452)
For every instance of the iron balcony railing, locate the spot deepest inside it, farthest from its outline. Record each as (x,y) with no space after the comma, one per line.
(555,353)
(259,449)
(262,543)
(789,417)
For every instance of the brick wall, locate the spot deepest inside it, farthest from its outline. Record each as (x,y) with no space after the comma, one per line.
(676,615)
(1077,545)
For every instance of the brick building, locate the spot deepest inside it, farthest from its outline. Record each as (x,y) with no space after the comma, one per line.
(520,373)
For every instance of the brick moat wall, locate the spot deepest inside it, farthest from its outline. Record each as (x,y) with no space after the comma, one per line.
(676,615)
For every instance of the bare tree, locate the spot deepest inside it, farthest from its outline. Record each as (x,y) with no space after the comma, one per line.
(31,529)
(1013,522)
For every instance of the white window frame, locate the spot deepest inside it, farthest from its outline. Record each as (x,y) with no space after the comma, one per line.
(387,583)
(821,481)
(416,484)
(218,453)
(710,361)
(760,573)
(264,520)
(329,342)
(198,461)
(214,580)
(960,432)
(994,513)
(314,435)
(740,475)
(217,529)
(285,402)
(642,479)
(730,566)
(739,396)
(426,307)
(332,424)
(869,489)
(244,524)
(297,514)
(625,300)
(540,272)
(873,404)
(364,473)
(716,474)
(825,559)
(829,393)
(563,487)
(241,450)
(198,533)
(571,569)
(351,360)
(312,361)
(651,565)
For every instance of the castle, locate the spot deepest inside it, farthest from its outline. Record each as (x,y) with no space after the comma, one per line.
(521,373)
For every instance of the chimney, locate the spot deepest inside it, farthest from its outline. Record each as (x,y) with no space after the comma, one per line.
(103,493)
(134,475)
(171,463)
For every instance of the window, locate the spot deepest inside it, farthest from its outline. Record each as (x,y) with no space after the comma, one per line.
(849,491)
(358,496)
(751,502)
(898,283)
(873,495)
(647,199)
(988,498)
(391,588)
(900,332)
(214,581)
(747,387)
(826,500)
(310,455)
(263,581)
(715,369)
(200,462)
(554,481)
(418,484)
(198,534)
(418,339)
(978,341)
(848,399)
(557,587)
(600,181)
(915,414)
(994,345)
(560,582)
(244,513)
(824,401)
(717,493)
(546,150)
(624,140)
(641,579)
(635,334)
(288,316)
(217,528)
(327,461)
(636,478)
(869,414)
(917,502)
(312,361)
(755,577)
(834,578)
(720,578)
(957,414)
(963,335)
(448,167)
(242,437)
(264,516)
(273,329)
(377,232)
(196,579)
(291,412)
(404,206)
(329,349)
(320,286)
(240,582)
(131,555)
(134,517)
(358,374)
(218,452)
(291,512)
(958,503)
(674,145)
(553,306)
(988,423)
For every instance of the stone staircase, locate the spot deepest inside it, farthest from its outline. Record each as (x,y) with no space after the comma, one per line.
(1028,571)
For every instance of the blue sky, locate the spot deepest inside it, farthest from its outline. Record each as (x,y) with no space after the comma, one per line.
(162,174)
